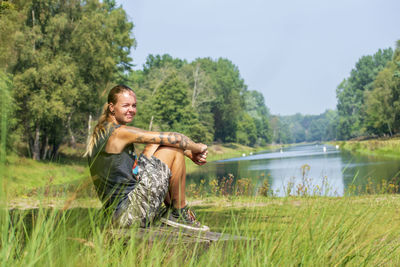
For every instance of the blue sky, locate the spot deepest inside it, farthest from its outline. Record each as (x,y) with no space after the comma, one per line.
(294,52)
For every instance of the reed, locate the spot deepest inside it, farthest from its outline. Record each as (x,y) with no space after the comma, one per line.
(387,147)
(284,231)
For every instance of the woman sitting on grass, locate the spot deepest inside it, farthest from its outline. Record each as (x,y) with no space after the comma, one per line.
(135,187)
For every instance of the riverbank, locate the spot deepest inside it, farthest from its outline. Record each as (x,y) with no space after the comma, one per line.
(233,150)
(290,231)
(377,147)
(229,150)
(24,176)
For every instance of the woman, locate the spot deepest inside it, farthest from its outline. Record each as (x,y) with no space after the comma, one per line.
(135,187)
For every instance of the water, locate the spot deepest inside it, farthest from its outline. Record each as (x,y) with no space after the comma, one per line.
(330,171)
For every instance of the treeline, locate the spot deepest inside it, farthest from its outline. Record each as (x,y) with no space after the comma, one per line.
(304,128)
(368,105)
(205,99)
(369,99)
(58,59)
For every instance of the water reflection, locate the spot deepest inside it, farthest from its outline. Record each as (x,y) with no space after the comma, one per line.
(331,171)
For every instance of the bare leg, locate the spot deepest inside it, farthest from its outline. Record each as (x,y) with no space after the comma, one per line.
(175,160)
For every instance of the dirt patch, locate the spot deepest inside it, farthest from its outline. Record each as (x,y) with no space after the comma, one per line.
(34,203)
(237,204)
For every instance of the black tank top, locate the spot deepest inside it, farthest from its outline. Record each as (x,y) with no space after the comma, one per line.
(112,173)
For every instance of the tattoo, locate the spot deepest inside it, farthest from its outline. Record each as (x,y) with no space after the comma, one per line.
(184,142)
(173,138)
(161,138)
(139,139)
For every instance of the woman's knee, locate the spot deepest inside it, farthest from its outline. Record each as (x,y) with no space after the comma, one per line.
(169,154)
(169,151)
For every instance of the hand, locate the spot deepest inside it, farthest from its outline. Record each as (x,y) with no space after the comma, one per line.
(202,147)
(200,158)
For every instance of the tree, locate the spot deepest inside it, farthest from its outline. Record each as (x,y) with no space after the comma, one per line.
(383,102)
(68,54)
(247,131)
(256,108)
(228,105)
(171,101)
(350,93)
(173,110)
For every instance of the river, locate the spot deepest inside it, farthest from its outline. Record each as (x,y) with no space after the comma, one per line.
(323,169)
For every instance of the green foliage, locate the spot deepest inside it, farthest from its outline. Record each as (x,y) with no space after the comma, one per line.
(7,107)
(256,108)
(351,93)
(171,102)
(369,100)
(162,61)
(67,54)
(382,104)
(305,128)
(228,105)
(247,131)
(204,99)
(10,21)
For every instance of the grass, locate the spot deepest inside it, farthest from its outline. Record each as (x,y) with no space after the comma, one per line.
(42,228)
(24,176)
(288,231)
(377,147)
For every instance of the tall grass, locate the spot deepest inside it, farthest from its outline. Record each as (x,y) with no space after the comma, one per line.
(387,147)
(289,231)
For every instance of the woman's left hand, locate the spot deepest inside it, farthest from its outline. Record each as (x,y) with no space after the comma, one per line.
(199,158)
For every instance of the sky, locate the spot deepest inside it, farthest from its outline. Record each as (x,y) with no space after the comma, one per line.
(295,52)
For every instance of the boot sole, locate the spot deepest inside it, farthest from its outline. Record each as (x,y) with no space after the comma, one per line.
(181,225)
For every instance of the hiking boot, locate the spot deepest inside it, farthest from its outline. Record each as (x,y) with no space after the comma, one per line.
(184,218)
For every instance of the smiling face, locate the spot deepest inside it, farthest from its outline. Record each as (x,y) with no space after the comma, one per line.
(124,109)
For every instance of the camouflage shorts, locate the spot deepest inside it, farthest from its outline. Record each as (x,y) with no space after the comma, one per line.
(144,201)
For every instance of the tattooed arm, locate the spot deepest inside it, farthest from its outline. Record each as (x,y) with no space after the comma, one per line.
(126,135)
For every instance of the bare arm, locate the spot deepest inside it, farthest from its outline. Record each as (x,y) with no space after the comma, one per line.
(125,135)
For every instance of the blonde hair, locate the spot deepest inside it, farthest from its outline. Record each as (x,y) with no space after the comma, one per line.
(102,126)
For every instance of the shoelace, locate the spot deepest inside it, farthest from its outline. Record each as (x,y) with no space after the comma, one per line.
(192,215)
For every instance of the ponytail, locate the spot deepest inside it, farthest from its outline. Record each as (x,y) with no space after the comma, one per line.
(98,131)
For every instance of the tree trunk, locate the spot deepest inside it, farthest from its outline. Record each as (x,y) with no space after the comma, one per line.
(46,147)
(71,134)
(3,132)
(390,129)
(33,24)
(151,123)
(89,128)
(195,78)
(36,147)
(54,152)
